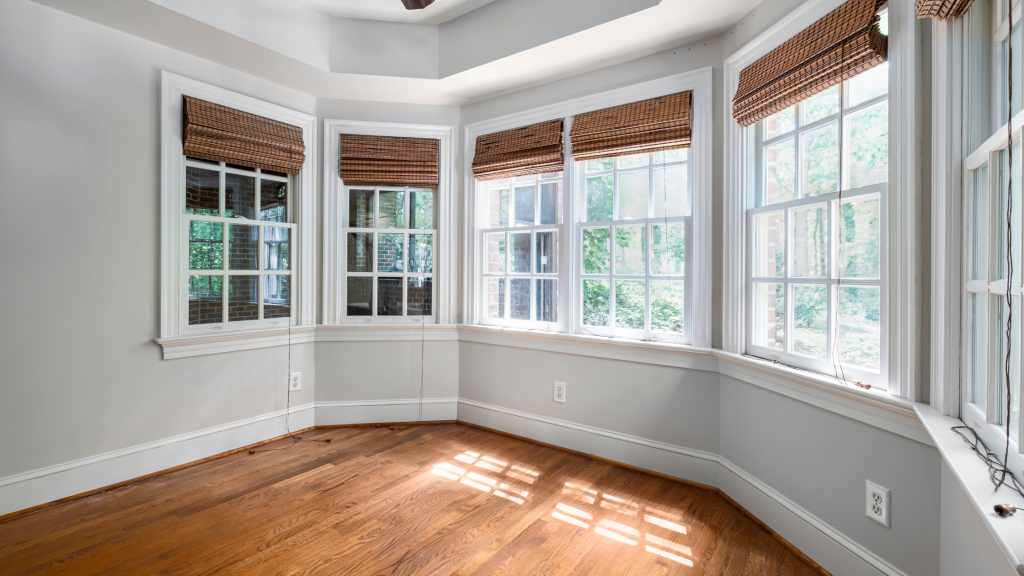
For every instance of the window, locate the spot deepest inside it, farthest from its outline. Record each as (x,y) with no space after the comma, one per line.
(632,232)
(239,244)
(390,236)
(816,255)
(520,240)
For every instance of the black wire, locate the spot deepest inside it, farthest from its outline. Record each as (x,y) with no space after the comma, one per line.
(1009,241)
(995,467)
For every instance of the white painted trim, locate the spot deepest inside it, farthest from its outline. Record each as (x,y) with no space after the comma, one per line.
(340,413)
(43,485)
(385,333)
(204,344)
(173,319)
(700,81)
(446,250)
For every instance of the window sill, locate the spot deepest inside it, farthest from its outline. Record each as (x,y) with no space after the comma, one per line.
(972,474)
(220,342)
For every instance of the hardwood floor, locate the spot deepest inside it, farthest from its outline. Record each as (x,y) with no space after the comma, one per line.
(425,500)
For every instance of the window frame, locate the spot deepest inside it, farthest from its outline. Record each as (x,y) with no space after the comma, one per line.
(174,222)
(700,161)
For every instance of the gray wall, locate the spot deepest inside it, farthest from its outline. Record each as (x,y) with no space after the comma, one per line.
(386,370)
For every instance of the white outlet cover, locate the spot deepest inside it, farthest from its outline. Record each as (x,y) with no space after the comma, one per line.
(295,382)
(877,503)
(560,392)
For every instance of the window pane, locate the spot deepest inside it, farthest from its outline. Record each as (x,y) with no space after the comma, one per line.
(869,84)
(668,247)
(499,207)
(780,123)
(421,210)
(519,298)
(999,218)
(677,155)
(630,302)
(547,252)
(551,203)
(633,161)
(810,320)
(630,249)
(599,165)
(392,209)
(526,198)
(389,296)
(360,208)
(273,201)
(979,236)
(819,152)
(360,252)
(276,251)
(596,252)
(520,261)
(671,197)
(242,298)
(360,296)
(769,316)
(770,244)
(494,248)
(202,192)
(599,198)
(809,228)
(860,237)
(421,296)
(978,326)
(526,178)
(239,196)
(596,307)
(494,295)
(389,252)
(821,105)
(205,300)
(999,376)
(779,172)
(634,188)
(205,245)
(243,244)
(1015,39)
(547,300)
(866,146)
(860,335)
(668,305)
(277,296)
(421,253)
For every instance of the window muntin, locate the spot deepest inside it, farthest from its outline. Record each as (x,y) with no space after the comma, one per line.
(239,267)
(816,254)
(634,244)
(520,235)
(389,245)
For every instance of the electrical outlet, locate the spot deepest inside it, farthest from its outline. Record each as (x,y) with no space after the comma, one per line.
(877,503)
(559,391)
(295,382)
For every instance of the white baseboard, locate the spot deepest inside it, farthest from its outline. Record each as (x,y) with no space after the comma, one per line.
(36,487)
(821,542)
(377,411)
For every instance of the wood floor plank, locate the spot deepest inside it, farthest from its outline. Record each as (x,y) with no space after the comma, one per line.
(429,500)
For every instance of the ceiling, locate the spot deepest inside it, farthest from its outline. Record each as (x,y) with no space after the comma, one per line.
(393,10)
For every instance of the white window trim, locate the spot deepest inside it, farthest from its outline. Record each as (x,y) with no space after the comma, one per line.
(446,212)
(700,81)
(738,189)
(173,301)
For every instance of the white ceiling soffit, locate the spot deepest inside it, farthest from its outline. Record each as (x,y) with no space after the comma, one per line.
(671,23)
(394,11)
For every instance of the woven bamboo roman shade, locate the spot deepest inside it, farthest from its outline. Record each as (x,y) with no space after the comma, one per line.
(222,134)
(647,126)
(841,45)
(388,161)
(941,9)
(534,149)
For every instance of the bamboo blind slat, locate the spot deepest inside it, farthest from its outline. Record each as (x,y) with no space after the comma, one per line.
(647,126)
(388,161)
(941,9)
(534,149)
(841,45)
(222,134)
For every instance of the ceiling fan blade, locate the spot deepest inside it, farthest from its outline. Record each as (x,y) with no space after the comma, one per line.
(417,4)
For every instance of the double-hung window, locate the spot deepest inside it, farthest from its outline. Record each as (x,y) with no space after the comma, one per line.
(816,254)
